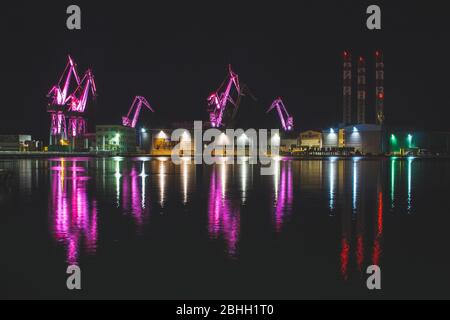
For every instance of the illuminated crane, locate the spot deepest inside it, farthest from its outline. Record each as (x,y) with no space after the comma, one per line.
(78,99)
(287,122)
(135,110)
(59,98)
(77,104)
(218,100)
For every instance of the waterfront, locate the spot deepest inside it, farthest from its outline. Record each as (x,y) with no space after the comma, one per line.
(145,228)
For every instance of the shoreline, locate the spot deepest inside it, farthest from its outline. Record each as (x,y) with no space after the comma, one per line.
(46,155)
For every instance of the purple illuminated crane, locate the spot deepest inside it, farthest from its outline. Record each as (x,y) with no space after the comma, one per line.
(77,104)
(135,110)
(59,98)
(287,122)
(218,100)
(79,98)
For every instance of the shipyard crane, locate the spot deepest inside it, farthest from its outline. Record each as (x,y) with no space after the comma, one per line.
(135,110)
(287,122)
(60,95)
(78,103)
(218,100)
(79,98)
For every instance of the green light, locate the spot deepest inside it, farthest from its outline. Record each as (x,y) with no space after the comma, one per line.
(394,143)
(410,137)
(393,181)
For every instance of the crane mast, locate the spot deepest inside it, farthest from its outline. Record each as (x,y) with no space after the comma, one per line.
(135,110)
(60,96)
(287,122)
(78,99)
(218,101)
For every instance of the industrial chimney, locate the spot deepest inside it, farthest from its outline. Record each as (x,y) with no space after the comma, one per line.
(347,96)
(379,99)
(361,96)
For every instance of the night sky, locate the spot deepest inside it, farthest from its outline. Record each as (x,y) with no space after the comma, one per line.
(175,53)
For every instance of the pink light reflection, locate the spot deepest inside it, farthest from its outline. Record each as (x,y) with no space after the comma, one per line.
(284,197)
(224,221)
(73,214)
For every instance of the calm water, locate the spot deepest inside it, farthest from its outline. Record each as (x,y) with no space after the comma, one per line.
(145,228)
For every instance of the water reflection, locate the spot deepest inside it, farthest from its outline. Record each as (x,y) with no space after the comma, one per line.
(350,191)
(393,168)
(118,176)
(355,184)
(332,182)
(73,211)
(356,241)
(185,174)
(399,177)
(283,192)
(244,177)
(162,181)
(410,162)
(223,217)
(143,176)
(379,231)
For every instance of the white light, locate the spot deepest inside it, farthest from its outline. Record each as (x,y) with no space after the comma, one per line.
(223,139)
(186,136)
(162,135)
(243,137)
(355,129)
(276,139)
(143,130)
(331,130)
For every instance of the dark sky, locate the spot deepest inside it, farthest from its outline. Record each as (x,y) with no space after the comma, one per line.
(176,53)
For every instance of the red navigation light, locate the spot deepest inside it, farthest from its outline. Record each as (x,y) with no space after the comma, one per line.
(381,95)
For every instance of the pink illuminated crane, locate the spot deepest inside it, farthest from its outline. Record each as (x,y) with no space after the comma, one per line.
(218,100)
(77,105)
(287,122)
(60,95)
(135,110)
(78,99)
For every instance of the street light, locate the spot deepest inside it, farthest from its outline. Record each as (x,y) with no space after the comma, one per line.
(410,137)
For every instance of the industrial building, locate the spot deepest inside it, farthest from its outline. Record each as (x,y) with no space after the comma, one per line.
(356,134)
(160,142)
(19,143)
(311,139)
(289,141)
(409,142)
(115,138)
(367,139)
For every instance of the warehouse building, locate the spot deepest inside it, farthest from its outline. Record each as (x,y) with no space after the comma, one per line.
(366,139)
(115,138)
(18,142)
(311,139)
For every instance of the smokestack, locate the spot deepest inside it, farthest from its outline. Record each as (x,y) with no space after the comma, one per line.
(379,100)
(361,104)
(347,96)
